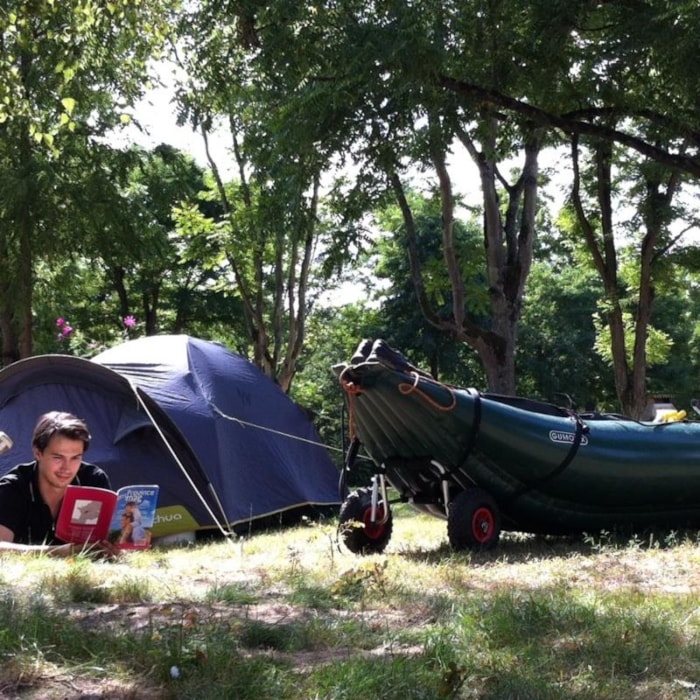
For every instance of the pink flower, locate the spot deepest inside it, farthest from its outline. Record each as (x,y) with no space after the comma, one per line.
(129,321)
(67,330)
(60,322)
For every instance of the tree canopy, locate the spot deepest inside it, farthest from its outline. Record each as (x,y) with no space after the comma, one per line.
(505,81)
(69,72)
(351,126)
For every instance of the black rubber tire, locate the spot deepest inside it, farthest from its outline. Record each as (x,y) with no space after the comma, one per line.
(473,521)
(359,535)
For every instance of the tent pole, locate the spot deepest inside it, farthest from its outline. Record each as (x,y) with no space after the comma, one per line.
(224,528)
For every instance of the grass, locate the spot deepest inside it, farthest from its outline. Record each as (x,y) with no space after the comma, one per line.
(290,615)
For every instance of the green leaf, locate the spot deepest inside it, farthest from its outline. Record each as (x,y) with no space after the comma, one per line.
(68,104)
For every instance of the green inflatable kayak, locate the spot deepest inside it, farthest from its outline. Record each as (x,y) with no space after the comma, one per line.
(486,462)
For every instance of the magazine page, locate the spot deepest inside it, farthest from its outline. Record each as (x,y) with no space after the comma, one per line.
(85,514)
(132,522)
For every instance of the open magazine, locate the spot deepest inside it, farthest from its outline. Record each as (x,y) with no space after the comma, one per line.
(89,514)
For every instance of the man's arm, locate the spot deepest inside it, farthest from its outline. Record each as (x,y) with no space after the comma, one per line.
(104,549)
(7,544)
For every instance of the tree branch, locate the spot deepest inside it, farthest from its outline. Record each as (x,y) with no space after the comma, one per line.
(570,125)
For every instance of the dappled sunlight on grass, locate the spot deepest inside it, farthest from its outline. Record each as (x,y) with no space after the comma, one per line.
(290,612)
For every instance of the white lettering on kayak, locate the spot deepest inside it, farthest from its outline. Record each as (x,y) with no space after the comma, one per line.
(560,436)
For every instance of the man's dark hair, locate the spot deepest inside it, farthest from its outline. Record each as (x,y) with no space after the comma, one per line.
(63,424)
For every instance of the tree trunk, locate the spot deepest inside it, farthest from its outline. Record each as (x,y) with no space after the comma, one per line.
(508,241)
(630,372)
(10,346)
(25,263)
(657,212)
(10,353)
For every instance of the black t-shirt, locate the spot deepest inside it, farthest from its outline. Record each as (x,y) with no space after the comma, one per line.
(22,509)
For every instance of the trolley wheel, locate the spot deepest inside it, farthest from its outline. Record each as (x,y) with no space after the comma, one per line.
(473,521)
(359,534)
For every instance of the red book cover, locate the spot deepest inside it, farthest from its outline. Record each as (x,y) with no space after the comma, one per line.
(85,514)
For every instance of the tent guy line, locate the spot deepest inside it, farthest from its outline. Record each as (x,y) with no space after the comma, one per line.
(315,443)
(244,423)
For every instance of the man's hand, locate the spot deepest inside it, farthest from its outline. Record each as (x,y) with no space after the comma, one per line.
(97,550)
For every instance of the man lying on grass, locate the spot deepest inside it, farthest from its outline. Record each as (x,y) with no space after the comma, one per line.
(31,493)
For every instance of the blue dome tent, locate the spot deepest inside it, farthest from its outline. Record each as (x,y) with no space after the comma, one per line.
(257,447)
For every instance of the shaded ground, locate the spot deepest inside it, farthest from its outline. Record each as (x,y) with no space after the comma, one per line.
(515,565)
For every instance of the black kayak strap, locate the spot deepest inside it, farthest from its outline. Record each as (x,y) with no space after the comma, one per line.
(350,457)
(476,424)
(578,436)
(473,433)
